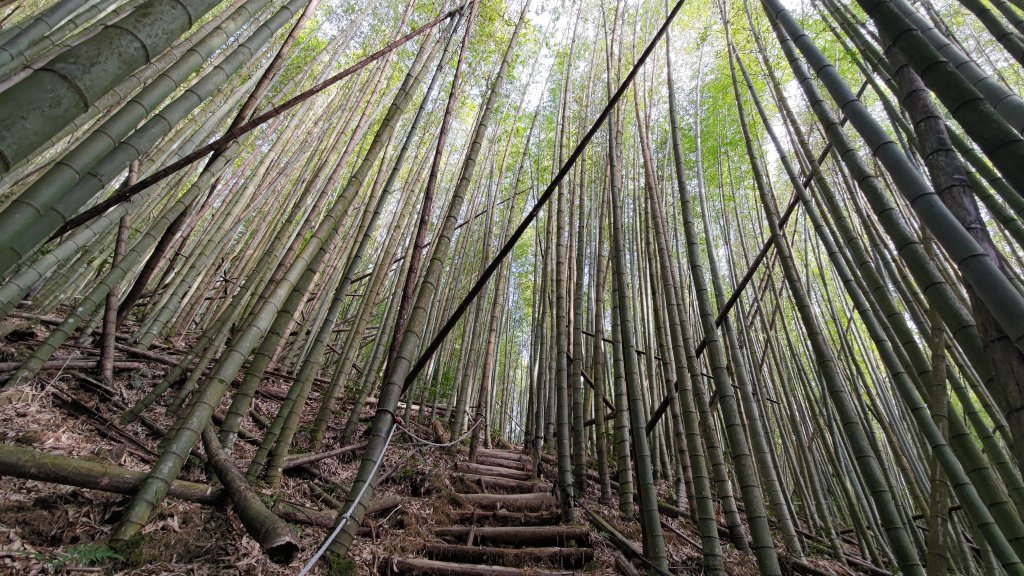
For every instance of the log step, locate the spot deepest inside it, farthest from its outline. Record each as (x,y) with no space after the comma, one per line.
(502,454)
(502,463)
(510,454)
(492,471)
(505,518)
(518,536)
(421,567)
(512,502)
(492,484)
(512,557)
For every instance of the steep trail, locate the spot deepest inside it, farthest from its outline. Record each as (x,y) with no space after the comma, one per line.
(507,524)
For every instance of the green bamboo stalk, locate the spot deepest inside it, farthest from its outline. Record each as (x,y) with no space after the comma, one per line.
(34,109)
(51,205)
(23,39)
(837,389)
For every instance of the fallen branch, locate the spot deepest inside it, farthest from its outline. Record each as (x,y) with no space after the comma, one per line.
(681,534)
(103,425)
(309,458)
(170,361)
(85,382)
(804,567)
(620,541)
(49,320)
(73,365)
(173,361)
(798,566)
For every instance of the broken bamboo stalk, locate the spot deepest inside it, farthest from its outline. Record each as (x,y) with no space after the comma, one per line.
(624,567)
(273,534)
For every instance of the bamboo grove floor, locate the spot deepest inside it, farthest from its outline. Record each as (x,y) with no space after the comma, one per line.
(50,528)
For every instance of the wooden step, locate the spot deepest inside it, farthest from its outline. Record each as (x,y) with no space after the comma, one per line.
(422,567)
(507,454)
(502,454)
(502,463)
(492,471)
(512,502)
(505,518)
(517,536)
(494,485)
(512,557)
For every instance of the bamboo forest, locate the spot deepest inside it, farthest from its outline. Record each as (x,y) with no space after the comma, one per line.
(512,287)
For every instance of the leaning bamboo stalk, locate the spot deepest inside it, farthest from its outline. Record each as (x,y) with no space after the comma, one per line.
(89,70)
(654,544)
(102,140)
(992,286)
(965,451)
(305,374)
(50,214)
(832,380)
(226,139)
(74,364)
(296,460)
(216,385)
(417,247)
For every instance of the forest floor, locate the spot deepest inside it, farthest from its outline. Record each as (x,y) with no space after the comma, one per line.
(50,528)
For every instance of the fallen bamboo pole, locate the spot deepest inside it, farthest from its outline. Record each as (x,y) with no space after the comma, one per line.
(40,466)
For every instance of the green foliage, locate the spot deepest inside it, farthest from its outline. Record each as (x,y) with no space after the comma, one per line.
(269,500)
(129,550)
(445,387)
(405,475)
(338,566)
(78,555)
(304,56)
(90,554)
